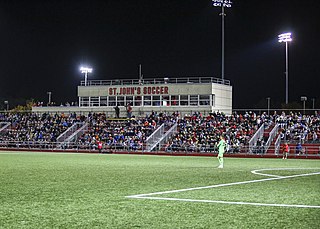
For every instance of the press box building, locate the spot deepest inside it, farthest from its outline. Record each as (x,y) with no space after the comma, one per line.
(185,95)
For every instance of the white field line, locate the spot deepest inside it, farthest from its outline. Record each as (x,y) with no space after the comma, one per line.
(151,195)
(221,185)
(229,202)
(257,171)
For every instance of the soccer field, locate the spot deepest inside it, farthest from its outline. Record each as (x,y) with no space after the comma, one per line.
(55,190)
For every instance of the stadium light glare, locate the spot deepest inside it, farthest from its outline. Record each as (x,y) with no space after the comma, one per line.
(85,70)
(286,37)
(223,4)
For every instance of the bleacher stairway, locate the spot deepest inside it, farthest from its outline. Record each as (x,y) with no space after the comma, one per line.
(4,126)
(72,133)
(159,137)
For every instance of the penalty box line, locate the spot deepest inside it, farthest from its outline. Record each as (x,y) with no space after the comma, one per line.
(151,195)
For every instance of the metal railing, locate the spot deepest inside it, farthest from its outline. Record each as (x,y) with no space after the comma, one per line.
(69,132)
(258,135)
(78,133)
(4,126)
(308,151)
(272,111)
(166,137)
(272,134)
(277,145)
(74,136)
(165,80)
(39,145)
(154,138)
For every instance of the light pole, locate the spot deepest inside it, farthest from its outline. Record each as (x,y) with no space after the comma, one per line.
(286,37)
(268,102)
(304,99)
(313,99)
(222,4)
(85,70)
(7,104)
(140,75)
(49,97)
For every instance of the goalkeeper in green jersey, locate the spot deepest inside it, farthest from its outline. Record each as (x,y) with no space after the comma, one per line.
(221,148)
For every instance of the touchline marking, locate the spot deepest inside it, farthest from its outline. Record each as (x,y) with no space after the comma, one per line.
(151,195)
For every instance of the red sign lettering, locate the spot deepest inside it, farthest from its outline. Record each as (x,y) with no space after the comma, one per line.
(139,90)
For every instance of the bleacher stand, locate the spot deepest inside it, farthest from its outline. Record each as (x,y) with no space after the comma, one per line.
(122,134)
(195,133)
(36,129)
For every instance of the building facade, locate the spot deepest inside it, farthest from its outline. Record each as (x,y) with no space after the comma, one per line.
(178,94)
(185,95)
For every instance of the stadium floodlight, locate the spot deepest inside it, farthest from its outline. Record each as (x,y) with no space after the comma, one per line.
(85,70)
(286,37)
(7,104)
(222,4)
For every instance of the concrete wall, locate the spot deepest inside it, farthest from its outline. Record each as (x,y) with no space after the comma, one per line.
(137,111)
(223,98)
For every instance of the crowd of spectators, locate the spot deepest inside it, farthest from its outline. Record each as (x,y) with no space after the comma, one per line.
(198,133)
(296,127)
(33,127)
(53,104)
(122,134)
(195,133)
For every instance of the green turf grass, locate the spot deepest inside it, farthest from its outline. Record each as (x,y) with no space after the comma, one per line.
(48,190)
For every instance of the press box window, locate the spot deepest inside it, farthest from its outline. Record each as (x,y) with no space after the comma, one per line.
(174,100)
(120,101)
(183,100)
(193,100)
(137,101)
(156,100)
(165,100)
(94,101)
(147,100)
(84,101)
(129,99)
(103,101)
(112,101)
(204,100)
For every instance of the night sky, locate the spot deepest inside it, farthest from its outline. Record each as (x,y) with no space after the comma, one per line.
(44,43)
